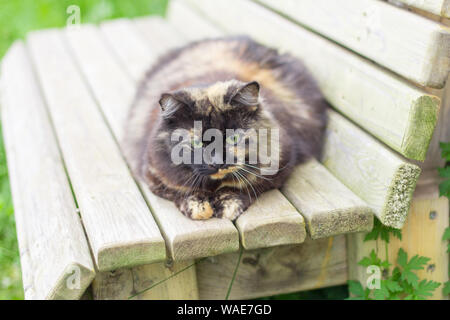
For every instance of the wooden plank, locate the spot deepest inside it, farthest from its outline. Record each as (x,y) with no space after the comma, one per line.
(348,215)
(114,91)
(433,158)
(150,282)
(422,234)
(179,12)
(118,223)
(382,179)
(271,221)
(329,207)
(156,30)
(120,39)
(378,176)
(437,7)
(264,272)
(394,111)
(417,48)
(55,258)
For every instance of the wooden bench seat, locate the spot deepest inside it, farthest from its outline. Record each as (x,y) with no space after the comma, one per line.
(82,81)
(51,239)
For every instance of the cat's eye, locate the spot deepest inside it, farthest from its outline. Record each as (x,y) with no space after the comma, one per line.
(197,143)
(233,139)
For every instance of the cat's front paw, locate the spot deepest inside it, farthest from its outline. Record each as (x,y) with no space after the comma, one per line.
(196,208)
(230,208)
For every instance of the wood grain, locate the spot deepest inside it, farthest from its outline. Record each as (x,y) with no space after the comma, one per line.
(397,113)
(264,272)
(433,158)
(55,258)
(118,223)
(422,234)
(150,282)
(329,207)
(418,49)
(121,37)
(179,12)
(437,7)
(381,178)
(271,221)
(114,91)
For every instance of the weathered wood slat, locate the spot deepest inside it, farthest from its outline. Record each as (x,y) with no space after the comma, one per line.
(416,48)
(441,133)
(384,180)
(399,114)
(156,31)
(311,188)
(328,206)
(118,223)
(437,7)
(150,282)
(119,37)
(271,221)
(179,12)
(114,91)
(264,272)
(378,176)
(55,258)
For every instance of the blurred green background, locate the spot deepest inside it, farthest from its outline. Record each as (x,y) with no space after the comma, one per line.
(17,17)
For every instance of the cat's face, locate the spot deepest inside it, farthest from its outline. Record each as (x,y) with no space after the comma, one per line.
(210,132)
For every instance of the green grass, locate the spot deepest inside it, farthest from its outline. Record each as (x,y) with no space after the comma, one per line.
(17,17)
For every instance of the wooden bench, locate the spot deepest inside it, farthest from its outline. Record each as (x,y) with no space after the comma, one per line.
(84,222)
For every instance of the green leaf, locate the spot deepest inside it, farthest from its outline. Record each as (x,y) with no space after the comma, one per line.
(410,277)
(385,264)
(446,235)
(402,258)
(425,289)
(393,286)
(382,232)
(382,293)
(417,262)
(365,262)
(444,172)
(355,288)
(371,260)
(445,147)
(444,188)
(379,294)
(446,289)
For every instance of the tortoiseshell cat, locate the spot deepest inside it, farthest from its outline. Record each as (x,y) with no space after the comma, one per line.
(226,83)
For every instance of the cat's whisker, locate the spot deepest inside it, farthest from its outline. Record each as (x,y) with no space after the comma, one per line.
(255,174)
(248,191)
(251,186)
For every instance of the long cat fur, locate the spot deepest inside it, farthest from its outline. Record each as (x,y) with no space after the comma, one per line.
(210,81)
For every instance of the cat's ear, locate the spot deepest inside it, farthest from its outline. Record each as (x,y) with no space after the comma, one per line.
(170,104)
(247,95)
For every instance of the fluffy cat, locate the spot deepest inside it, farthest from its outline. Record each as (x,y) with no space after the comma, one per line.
(225,83)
